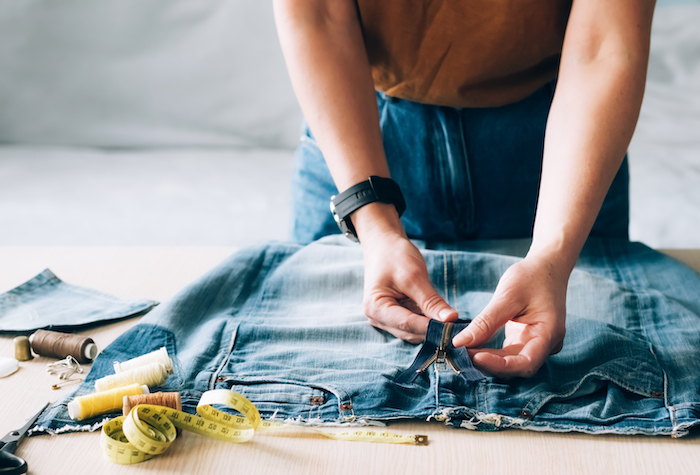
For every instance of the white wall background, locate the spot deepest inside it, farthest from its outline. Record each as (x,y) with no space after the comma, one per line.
(171,122)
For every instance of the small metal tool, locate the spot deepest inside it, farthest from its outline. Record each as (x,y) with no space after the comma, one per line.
(10,464)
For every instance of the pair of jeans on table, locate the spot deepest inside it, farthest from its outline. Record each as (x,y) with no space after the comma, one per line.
(283,325)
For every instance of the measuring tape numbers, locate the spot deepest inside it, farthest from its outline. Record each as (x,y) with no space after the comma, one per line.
(148,430)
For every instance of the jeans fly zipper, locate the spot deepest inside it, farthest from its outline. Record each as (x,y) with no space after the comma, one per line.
(440,358)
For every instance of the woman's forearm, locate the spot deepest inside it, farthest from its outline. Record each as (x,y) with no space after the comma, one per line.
(327,62)
(591,122)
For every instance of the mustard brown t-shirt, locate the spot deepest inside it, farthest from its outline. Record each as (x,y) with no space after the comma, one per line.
(463,53)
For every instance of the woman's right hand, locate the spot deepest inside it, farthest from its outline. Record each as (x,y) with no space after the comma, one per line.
(325,53)
(398,295)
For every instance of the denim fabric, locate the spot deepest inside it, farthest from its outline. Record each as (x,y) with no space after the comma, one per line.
(45,301)
(464,173)
(283,325)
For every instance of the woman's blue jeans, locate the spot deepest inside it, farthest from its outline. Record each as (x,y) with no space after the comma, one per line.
(465,173)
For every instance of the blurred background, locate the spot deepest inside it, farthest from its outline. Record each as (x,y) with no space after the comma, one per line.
(172,122)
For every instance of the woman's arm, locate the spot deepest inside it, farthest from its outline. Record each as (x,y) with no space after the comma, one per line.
(326,59)
(593,115)
(327,62)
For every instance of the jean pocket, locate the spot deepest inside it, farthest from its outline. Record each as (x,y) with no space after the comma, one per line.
(288,399)
(604,374)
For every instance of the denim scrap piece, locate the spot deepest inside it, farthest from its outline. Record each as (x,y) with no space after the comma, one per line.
(45,301)
(439,350)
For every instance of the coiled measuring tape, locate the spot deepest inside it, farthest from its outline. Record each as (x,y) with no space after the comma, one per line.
(149,430)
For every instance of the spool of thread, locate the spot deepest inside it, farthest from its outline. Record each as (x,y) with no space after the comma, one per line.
(23,351)
(61,345)
(91,405)
(171,400)
(153,374)
(158,356)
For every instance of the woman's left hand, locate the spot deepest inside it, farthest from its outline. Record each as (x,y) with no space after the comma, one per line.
(530,300)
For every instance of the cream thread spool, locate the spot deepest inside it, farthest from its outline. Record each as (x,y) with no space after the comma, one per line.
(84,407)
(153,374)
(158,356)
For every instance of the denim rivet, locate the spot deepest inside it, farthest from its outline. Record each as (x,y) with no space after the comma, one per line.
(220,379)
(525,414)
(657,394)
(317,400)
(346,407)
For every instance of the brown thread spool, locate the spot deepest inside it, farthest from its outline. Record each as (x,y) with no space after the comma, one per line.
(171,400)
(22,350)
(60,345)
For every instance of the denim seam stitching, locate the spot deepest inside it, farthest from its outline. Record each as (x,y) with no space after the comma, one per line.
(437,388)
(675,427)
(444,276)
(272,267)
(454,282)
(481,387)
(224,360)
(536,406)
(471,206)
(340,394)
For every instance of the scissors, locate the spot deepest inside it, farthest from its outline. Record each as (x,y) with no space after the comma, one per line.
(10,464)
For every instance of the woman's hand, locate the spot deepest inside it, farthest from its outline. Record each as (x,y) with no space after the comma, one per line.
(398,295)
(530,300)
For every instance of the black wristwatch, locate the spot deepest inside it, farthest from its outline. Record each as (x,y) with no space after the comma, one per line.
(384,190)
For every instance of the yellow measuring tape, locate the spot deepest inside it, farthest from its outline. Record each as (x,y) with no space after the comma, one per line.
(149,430)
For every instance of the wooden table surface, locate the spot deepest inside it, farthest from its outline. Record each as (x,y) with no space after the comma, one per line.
(157,273)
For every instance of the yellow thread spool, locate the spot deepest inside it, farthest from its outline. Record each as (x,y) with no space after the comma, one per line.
(153,374)
(84,407)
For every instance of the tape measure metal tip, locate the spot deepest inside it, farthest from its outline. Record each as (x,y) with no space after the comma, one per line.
(421,440)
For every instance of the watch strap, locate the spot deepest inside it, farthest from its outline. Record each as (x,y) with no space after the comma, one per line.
(376,188)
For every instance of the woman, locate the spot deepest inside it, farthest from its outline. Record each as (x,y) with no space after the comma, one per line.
(469,124)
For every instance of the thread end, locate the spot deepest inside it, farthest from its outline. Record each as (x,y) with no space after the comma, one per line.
(91,351)
(74,410)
